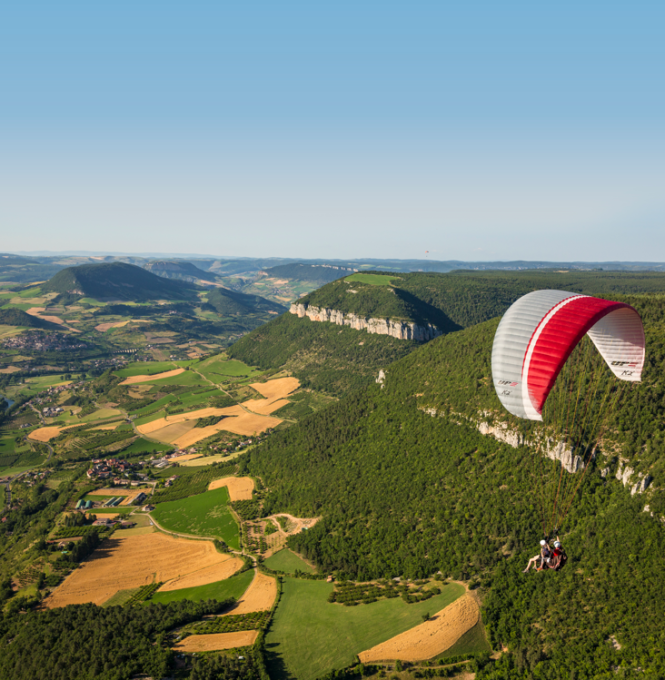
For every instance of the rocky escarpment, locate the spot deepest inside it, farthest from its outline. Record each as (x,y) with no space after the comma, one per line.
(402,330)
(572,463)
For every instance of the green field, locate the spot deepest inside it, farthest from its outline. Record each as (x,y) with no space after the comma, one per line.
(231,587)
(288,562)
(155,406)
(205,514)
(191,400)
(101,414)
(372,279)
(145,368)
(185,378)
(144,446)
(121,598)
(217,369)
(474,641)
(310,636)
(150,418)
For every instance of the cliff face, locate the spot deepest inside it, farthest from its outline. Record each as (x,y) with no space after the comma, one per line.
(396,329)
(636,482)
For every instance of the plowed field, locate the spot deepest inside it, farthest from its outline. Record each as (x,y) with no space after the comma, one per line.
(278,388)
(171,433)
(430,638)
(217,641)
(206,575)
(133,561)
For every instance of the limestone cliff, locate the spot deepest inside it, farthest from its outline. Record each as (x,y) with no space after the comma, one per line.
(572,463)
(401,330)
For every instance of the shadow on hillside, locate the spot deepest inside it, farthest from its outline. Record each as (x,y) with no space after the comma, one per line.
(424,313)
(276,666)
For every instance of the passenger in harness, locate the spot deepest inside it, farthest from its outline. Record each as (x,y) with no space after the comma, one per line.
(544,556)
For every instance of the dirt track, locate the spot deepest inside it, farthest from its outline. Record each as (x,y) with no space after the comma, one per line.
(216,641)
(428,639)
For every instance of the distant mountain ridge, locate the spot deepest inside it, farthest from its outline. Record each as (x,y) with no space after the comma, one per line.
(228,302)
(180,271)
(117,280)
(316,273)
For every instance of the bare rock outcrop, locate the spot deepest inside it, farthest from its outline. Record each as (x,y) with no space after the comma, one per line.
(639,484)
(559,451)
(401,330)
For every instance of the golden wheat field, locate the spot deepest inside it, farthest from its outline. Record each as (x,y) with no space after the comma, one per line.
(240,488)
(430,638)
(278,388)
(216,641)
(133,561)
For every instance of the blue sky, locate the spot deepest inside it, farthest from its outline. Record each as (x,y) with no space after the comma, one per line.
(474,130)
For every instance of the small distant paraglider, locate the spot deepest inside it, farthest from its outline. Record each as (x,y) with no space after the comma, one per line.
(545,368)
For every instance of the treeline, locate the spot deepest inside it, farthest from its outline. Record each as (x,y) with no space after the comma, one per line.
(81,642)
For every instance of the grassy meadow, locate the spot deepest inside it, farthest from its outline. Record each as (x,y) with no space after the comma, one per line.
(221,590)
(206,514)
(288,562)
(309,635)
(372,279)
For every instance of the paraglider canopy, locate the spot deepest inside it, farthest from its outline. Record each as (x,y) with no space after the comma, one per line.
(541,329)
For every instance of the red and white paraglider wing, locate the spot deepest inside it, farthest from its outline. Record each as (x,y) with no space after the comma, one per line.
(540,330)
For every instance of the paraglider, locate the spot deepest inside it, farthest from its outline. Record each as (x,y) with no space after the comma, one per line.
(545,369)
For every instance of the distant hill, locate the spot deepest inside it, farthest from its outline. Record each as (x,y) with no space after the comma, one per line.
(17,317)
(179,270)
(314,273)
(117,281)
(229,302)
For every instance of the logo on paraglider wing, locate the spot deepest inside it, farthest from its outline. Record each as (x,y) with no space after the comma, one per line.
(505,383)
(632,364)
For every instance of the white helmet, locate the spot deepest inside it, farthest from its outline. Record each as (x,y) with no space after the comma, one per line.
(557,544)
(543,542)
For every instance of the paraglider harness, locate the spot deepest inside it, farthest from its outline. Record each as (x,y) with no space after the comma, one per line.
(559,553)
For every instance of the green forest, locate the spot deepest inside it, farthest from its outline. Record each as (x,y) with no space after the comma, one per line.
(324,357)
(453,500)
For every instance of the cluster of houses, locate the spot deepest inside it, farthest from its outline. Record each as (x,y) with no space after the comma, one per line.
(52,411)
(122,524)
(44,342)
(106,468)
